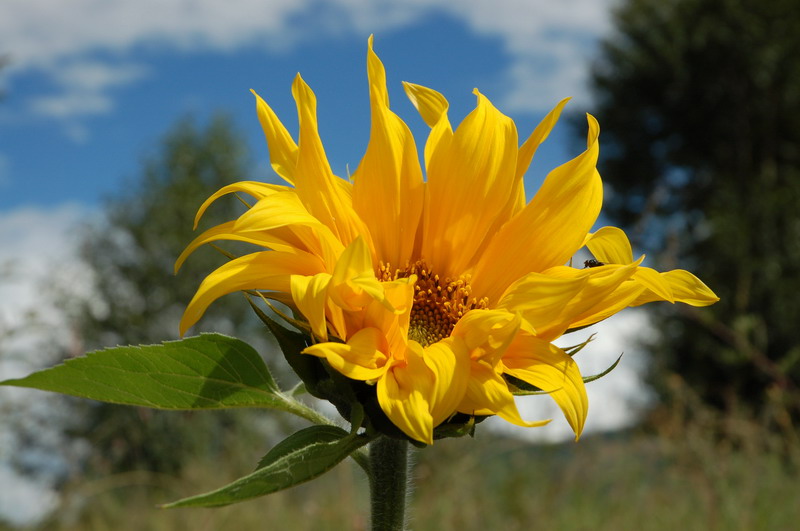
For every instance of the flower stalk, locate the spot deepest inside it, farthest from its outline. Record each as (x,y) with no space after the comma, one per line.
(390,482)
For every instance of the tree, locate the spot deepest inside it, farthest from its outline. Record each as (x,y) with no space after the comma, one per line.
(136,299)
(699,101)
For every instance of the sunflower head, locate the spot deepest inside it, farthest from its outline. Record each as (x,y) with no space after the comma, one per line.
(429,295)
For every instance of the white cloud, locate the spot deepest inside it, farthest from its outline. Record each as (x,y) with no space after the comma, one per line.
(546,41)
(83,88)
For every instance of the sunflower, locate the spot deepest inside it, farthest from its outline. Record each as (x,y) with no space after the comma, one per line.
(442,292)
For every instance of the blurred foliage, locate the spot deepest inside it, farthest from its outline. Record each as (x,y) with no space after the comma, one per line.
(700,471)
(136,298)
(699,102)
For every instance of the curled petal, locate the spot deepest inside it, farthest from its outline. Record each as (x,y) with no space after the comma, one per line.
(282,148)
(254,188)
(449,361)
(685,287)
(363,357)
(267,270)
(547,367)
(404,394)
(310,296)
(487,333)
(610,245)
(487,394)
(353,284)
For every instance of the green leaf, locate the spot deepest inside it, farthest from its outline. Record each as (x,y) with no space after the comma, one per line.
(304,437)
(210,371)
(587,379)
(301,458)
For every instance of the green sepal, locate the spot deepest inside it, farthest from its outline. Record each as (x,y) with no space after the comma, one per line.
(587,379)
(210,371)
(571,351)
(302,457)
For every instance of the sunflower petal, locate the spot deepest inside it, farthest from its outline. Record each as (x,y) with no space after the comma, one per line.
(598,293)
(388,188)
(470,181)
(432,106)
(550,229)
(487,333)
(686,288)
(310,296)
(363,357)
(549,368)
(227,231)
(267,270)
(315,183)
(404,394)
(450,364)
(256,189)
(610,245)
(282,148)
(487,394)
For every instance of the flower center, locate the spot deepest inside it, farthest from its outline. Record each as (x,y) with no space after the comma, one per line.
(438,303)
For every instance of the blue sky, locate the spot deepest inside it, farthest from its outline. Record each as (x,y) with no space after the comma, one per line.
(92,86)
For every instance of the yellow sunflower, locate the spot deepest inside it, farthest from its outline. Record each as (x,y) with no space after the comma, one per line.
(438,289)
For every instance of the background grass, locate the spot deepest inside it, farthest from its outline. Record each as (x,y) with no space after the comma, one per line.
(690,469)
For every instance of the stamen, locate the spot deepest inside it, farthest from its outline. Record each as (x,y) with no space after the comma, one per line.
(438,303)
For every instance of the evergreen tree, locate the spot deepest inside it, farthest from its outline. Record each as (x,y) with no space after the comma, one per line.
(699,101)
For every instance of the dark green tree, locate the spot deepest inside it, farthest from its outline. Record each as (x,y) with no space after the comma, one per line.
(699,103)
(136,299)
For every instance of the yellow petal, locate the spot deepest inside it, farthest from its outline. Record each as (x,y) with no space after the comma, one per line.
(227,231)
(315,183)
(598,293)
(470,181)
(388,188)
(282,148)
(254,188)
(399,294)
(652,280)
(487,394)
(363,357)
(285,210)
(404,393)
(268,270)
(354,285)
(432,106)
(610,245)
(550,229)
(528,149)
(487,333)
(310,296)
(547,367)
(686,288)
(449,361)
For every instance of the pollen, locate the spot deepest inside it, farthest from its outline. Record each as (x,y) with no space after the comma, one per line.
(438,303)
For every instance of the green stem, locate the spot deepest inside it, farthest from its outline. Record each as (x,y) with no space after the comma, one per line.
(389,487)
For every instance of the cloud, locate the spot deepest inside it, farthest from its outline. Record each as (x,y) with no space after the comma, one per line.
(84,86)
(547,42)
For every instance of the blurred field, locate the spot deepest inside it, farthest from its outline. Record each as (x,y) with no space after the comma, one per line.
(693,471)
